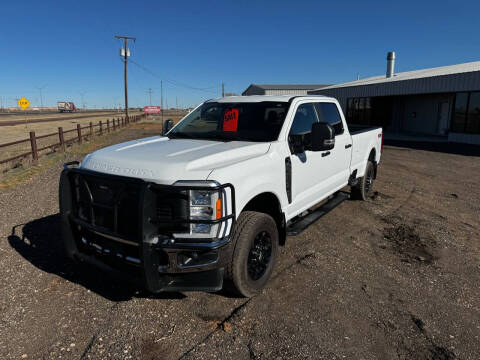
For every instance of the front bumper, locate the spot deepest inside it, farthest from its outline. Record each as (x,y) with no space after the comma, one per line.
(134,247)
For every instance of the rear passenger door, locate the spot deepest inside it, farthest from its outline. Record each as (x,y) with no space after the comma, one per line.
(338,165)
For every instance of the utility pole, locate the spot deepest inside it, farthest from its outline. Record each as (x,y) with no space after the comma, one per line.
(40,88)
(82,94)
(161,98)
(125,54)
(150,93)
(223,89)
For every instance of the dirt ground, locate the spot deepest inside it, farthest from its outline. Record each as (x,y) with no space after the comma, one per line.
(395,277)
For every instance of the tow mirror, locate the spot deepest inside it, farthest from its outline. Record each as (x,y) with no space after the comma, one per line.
(322,137)
(167,125)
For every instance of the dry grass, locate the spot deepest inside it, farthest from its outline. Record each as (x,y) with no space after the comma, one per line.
(23,170)
(21,131)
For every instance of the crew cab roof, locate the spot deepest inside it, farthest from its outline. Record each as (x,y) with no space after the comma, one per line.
(260,98)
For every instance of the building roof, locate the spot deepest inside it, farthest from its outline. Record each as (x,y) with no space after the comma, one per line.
(284,87)
(411,75)
(259,98)
(290,86)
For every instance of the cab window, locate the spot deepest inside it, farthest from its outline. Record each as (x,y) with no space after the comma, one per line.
(303,120)
(328,112)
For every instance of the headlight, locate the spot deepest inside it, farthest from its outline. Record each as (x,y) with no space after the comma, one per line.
(203,205)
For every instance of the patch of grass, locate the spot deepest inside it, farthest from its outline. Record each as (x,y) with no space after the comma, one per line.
(24,172)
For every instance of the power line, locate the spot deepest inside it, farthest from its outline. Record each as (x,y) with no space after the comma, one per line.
(173,82)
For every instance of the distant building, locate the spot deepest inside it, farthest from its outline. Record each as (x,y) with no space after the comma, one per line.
(442,101)
(281,89)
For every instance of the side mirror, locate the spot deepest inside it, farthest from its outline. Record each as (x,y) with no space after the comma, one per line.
(322,137)
(167,125)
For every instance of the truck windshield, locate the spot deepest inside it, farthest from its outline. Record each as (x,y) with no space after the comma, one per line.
(256,121)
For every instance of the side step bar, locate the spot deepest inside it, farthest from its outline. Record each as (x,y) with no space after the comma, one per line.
(295,227)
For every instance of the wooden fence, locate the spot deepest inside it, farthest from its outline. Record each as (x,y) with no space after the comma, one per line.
(58,141)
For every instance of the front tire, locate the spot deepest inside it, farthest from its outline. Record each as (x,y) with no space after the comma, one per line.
(255,248)
(364,187)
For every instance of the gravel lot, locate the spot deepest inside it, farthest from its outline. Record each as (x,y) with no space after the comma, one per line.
(396,277)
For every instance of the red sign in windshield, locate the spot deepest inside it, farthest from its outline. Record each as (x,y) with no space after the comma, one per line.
(230,120)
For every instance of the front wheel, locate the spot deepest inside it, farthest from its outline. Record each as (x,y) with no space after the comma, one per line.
(363,189)
(255,248)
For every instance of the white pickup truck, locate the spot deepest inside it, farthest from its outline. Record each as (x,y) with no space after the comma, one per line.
(216,196)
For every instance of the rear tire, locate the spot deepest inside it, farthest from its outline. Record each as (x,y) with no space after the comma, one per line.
(363,189)
(255,248)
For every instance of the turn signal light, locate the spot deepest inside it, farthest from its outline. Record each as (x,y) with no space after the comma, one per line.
(219,208)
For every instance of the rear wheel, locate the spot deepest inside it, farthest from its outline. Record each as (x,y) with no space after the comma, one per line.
(363,189)
(255,248)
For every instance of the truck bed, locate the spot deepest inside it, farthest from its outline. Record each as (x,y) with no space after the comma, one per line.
(359,128)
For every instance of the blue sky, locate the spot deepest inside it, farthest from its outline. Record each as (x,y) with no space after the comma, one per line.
(69,46)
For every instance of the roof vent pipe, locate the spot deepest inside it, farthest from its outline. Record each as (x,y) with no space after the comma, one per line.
(390,63)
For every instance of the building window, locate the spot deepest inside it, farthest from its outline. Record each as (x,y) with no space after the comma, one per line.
(359,111)
(466,117)
(473,114)
(460,112)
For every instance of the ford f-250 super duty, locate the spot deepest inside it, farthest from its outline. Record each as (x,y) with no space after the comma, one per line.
(216,196)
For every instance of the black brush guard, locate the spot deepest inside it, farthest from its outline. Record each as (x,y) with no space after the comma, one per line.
(115,223)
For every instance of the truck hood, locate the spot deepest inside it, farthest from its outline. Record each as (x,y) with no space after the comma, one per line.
(164,161)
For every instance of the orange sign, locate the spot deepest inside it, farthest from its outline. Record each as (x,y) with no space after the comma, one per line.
(230,120)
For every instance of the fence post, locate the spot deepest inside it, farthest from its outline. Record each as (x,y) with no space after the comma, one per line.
(113,121)
(108,125)
(61,138)
(100,126)
(79,132)
(33,144)
(91,129)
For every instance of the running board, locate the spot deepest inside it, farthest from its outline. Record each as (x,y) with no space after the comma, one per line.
(295,227)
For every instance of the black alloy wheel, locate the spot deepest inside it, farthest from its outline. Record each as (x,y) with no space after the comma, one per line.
(259,255)
(254,251)
(369,179)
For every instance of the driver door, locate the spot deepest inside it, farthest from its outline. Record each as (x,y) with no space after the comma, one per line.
(307,176)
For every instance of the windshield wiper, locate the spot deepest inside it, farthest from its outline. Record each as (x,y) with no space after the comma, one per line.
(220,136)
(180,135)
(213,137)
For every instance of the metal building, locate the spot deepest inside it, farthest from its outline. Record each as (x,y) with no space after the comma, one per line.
(281,89)
(442,102)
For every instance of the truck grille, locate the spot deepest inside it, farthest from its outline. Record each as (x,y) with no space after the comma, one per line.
(108,203)
(171,209)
